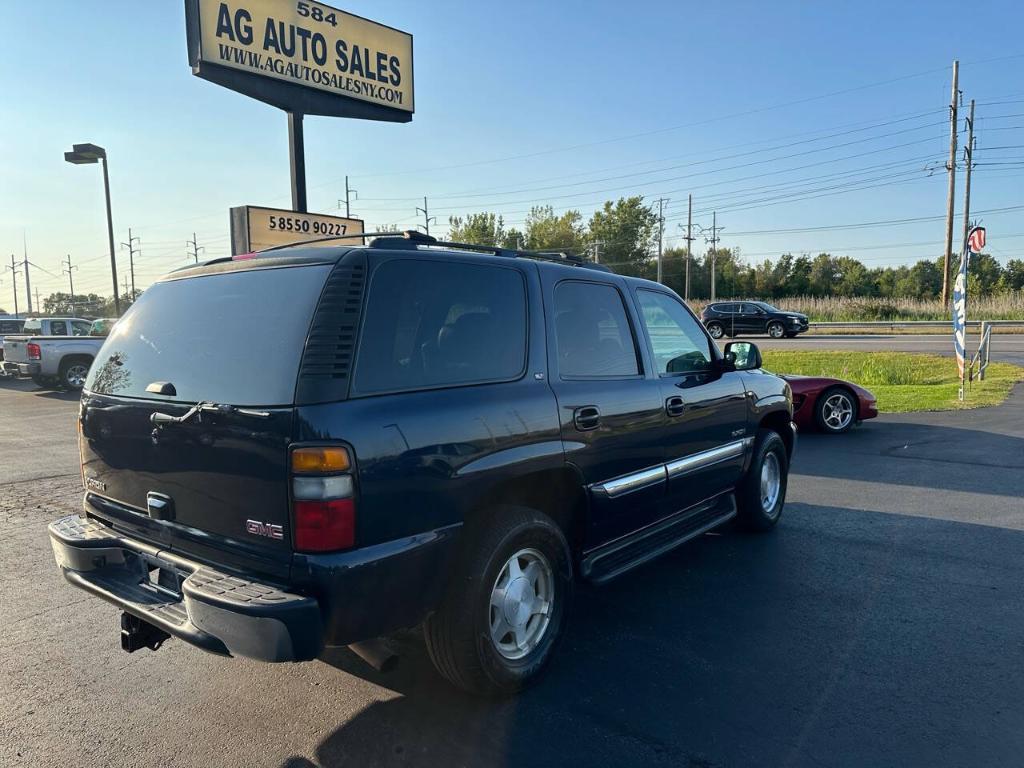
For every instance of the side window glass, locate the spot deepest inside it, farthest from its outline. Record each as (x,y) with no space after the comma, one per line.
(680,346)
(58,328)
(436,323)
(592,332)
(80,329)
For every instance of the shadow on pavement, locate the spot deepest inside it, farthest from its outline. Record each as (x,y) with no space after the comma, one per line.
(925,455)
(845,637)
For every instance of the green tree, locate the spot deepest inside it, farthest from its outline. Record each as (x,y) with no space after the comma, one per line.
(547,232)
(625,232)
(1013,276)
(477,229)
(983,274)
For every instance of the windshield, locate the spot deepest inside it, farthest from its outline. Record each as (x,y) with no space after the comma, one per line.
(233,338)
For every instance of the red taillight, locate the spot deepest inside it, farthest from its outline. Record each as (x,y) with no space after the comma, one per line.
(324,526)
(323,503)
(34,353)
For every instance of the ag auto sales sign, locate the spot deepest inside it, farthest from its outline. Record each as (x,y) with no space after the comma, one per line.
(303,56)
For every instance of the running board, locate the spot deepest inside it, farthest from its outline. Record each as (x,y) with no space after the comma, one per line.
(627,553)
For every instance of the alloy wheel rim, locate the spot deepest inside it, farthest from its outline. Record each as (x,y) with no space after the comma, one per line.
(521,603)
(837,411)
(771,482)
(775,331)
(716,331)
(76,375)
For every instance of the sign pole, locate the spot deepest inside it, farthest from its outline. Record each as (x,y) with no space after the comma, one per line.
(297,161)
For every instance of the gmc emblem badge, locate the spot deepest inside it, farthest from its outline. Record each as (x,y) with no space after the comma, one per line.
(267,530)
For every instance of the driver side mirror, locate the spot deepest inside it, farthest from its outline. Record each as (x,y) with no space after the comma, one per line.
(742,356)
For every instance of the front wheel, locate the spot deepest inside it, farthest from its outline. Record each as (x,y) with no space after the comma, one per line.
(507,605)
(836,410)
(761,493)
(775,330)
(716,330)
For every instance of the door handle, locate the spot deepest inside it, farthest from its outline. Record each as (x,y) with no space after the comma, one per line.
(674,406)
(586,418)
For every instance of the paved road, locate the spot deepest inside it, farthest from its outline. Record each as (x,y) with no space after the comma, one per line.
(1008,348)
(880,624)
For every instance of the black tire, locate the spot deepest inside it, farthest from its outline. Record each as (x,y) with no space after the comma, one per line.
(716,330)
(835,410)
(458,634)
(73,371)
(752,512)
(775,329)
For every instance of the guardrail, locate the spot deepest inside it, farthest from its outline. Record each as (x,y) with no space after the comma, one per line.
(894,324)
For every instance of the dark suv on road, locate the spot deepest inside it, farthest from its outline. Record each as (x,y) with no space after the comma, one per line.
(731,318)
(317,446)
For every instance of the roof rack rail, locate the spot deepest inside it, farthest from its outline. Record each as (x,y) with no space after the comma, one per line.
(400,241)
(415,238)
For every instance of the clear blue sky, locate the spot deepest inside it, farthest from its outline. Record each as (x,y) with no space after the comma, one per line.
(512,98)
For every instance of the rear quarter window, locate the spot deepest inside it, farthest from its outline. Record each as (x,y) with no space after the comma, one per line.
(434,323)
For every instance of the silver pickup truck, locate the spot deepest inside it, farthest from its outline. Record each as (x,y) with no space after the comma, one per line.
(53,351)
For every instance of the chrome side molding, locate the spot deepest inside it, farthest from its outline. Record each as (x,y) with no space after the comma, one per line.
(634,482)
(704,459)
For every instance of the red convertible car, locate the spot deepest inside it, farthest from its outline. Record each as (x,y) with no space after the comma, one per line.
(831,405)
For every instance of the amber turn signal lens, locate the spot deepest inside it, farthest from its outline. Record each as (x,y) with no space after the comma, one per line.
(320,459)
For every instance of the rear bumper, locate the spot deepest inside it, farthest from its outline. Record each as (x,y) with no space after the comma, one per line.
(198,604)
(20,369)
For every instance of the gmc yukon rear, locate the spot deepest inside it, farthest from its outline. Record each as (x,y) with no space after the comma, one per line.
(428,433)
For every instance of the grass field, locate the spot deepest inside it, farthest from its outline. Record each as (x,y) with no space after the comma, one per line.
(842,309)
(901,381)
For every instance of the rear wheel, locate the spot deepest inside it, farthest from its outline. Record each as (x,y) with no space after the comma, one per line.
(73,373)
(836,410)
(775,329)
(761,493)
(716,330)
(506,606)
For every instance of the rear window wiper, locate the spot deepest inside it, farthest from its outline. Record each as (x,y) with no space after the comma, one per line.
(197,410)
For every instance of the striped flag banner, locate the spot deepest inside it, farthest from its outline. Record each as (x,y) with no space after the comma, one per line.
(975,243)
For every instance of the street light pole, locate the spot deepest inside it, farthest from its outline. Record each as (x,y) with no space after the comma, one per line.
(110,235)
(85,154)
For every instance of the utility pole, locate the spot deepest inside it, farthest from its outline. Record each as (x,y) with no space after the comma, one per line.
(715,229)
(71,280)
(130,245)
(14,279)
(196,248)
(951,169)
(661,232)
(28,279)
(968,162)
(689,242)
(348,199)
(426,217)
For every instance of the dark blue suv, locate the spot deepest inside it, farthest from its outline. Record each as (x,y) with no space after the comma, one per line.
(317,446)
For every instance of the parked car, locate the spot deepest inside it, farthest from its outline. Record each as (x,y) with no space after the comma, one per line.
(52,351)
(424,433)
(830,405)
(8,325)
(102,326)
(732,318)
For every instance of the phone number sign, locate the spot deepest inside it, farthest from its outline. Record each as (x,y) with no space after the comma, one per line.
(255,229)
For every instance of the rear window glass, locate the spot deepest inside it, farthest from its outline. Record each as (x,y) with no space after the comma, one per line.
(10,326)
(437,323)
(233,338)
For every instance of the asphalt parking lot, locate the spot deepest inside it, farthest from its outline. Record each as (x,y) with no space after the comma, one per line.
(882,623)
